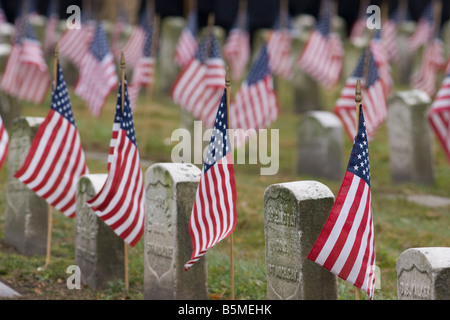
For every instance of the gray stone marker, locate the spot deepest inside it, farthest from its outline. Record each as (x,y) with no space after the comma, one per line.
(26,216)
(170,190)
(410,143)
(171,28)
(99,252)
(424,274)
(7,292)
(403,69)
(294,215)
(319,145)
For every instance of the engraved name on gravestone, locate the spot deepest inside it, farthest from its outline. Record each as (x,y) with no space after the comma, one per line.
(26,216)
(410,140)
(424,274)
(319,145)
(170,190)
(294,215)
(99,252)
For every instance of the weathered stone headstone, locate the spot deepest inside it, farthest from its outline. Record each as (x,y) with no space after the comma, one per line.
(170,190)
(319,145)
(99,252)
(171,28)
(410,138)
(424,274)
(26,216)
(403,69)
(294,215)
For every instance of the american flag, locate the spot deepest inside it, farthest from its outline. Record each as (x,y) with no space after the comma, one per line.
(4,143)
(279,47)
(97,73)
(143,74)
(256,103)
(346,245)
(424,30)
(389,37)
(132,50)
(212,85)
(120,24)
(74,43)
(359,26)
(3,18)
(120,203)
(199,85)
(439,114)
(322,56)
(381,59)
(432,61)
(237,47)
(26,74)
(213,216)
(187,43)
(115,128)
(51,27)
(188,87)
(372,95)
(56,159)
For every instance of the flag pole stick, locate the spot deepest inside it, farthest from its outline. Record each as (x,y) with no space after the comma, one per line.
(50,208)
(228,97)
(125,245)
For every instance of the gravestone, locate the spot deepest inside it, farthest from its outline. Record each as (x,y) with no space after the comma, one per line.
(424,274)
(402,70)
(294,215)
(170,190)
(26,215)
(171,29)
(319,145)
(410,140)
(99,252)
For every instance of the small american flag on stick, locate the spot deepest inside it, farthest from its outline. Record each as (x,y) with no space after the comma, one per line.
(213,216)
(439,114)
(56,159)
(346,245)
(120,203)
(97,73)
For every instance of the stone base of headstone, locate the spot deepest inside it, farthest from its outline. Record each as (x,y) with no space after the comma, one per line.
(99,252)
(319,145)
(171,29)
(424,274)
(170,192)
(410,139)
(294,215)
(26,216)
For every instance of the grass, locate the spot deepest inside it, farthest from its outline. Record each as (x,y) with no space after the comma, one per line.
(399,224)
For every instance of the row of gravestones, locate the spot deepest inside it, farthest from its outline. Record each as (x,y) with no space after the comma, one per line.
(294,214)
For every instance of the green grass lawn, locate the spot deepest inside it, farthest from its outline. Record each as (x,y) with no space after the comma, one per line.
(399,224)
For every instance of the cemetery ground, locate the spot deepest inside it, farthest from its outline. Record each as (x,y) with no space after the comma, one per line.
(399,223)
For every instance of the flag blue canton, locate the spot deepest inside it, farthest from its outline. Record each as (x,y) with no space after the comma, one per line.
(215,48)
(323,25)
(99,46)
(372,75)
(147,49)
(192,23)
(118,114)
(127,123)
(219,144)
(200,55)
(359,159)
(60,99)
(260,68)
